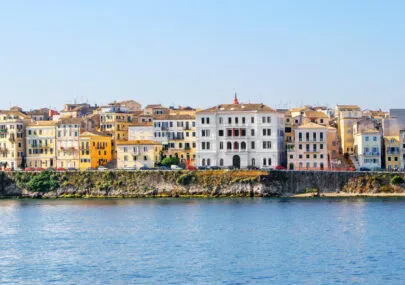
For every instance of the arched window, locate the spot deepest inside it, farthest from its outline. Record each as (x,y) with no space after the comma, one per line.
(243,145)
(208,162)
(221,162)
(235,145)
(253,162)
(228,145)
(203,162)
(269,161)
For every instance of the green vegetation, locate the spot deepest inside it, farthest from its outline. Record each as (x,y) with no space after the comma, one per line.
(396,180)
(168,161)
(43,182)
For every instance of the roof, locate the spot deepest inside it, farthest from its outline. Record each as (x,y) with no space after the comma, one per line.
(141,124)
(299,109)
(242,107)
(154,106)
(369,131)
(348,107)
(311,125)
(138,142)
(315,114)
(92,134)
(69,121)
(15,113)
(174,117)
(388,138)
(42,123)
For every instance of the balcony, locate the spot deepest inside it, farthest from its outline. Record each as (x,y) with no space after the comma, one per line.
(393,152)
(371,154)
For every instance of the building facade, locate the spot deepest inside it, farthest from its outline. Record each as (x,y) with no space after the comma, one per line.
(310,151)
(41,144)
(138,153)
(12,139)
(240,135)
(95,150)
(368,148)
(392,148)
(67,143)
(347,115)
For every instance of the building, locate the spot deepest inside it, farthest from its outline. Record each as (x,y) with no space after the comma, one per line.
(41,144)
(177,134)
(402,148)
(12,139)
(240,135)
(95,150)
(131,105)
(310,149)
(156,110)
(392,153)
(67,142)
(347,115)
(316,117)
(333,144)
(368,147)
(141,131)
(138,153)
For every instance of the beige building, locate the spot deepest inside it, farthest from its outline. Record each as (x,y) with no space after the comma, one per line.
(392,147)
(12,139)
(310,151)
(316,117)
(41,144)
(138,153)
(67,143)
(368,147)
(177,134)
(347,115)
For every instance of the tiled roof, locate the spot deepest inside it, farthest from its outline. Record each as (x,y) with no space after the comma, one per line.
(239,107)
(138,142)
(315,114)
(42,123)
(141,124)
(311,125)
(174,117)
(92,134)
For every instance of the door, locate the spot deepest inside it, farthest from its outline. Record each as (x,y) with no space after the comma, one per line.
(236,161)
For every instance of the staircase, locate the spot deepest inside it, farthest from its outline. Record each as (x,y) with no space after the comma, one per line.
(356,164)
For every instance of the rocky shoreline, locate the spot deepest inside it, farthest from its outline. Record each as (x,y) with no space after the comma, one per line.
(204,184)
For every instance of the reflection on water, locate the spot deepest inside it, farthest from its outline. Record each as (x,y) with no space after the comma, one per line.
(269,241)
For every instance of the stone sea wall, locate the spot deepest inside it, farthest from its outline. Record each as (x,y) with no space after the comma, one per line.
(193,183)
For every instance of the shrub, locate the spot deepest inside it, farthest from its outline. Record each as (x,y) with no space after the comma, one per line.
(185,179)
(168,161)
(396,180)
(43,182)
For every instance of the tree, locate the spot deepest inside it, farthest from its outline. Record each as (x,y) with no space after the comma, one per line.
(168,161)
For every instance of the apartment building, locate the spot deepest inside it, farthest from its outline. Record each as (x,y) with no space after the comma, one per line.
(12,139)
(392,153)
(67,143)
(310,149)
(41,144)
(95,150)
(240,135)
(138,153)
(177,134)
(347,115)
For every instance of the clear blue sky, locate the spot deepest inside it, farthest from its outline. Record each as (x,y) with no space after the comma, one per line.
(281,53)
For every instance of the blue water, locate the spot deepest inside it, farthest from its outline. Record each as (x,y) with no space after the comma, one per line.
(218,241)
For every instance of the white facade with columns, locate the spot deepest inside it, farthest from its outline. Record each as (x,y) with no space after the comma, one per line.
(240,135)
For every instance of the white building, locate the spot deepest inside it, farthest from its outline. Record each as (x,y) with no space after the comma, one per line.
(402,148)
(240,135)
(141,131)
(368,148)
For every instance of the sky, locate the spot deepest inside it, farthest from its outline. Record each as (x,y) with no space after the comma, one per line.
(199,53)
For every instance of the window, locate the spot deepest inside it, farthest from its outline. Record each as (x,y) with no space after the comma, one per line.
(228,145)
(243,132)
(236,145)
(203,162)
(221,162)
(307,136)
(208,162)
(321,146)
(145,157)
(229,132)
(300,137)
(208,121)
(300,146)
(221,133)
(236,120)
(243,145)
(253,162)
(203,121)
(252,120)
(264,162)
(221,145)
(321,156)
(252,132)
(125,158)
(269,161)
(236,132)
(243,120)
(221,120)
(229,120)
(252,145)
(374,138)
(321,136)
(300,156)
(366,139)
(263,120)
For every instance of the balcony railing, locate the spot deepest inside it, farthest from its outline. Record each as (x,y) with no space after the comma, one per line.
(371,154)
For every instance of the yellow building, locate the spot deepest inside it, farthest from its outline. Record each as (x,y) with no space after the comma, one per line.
(347,116)
(95,150)
(392,147)
(41,144)
(67,142)
(12,139)
(138,153)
